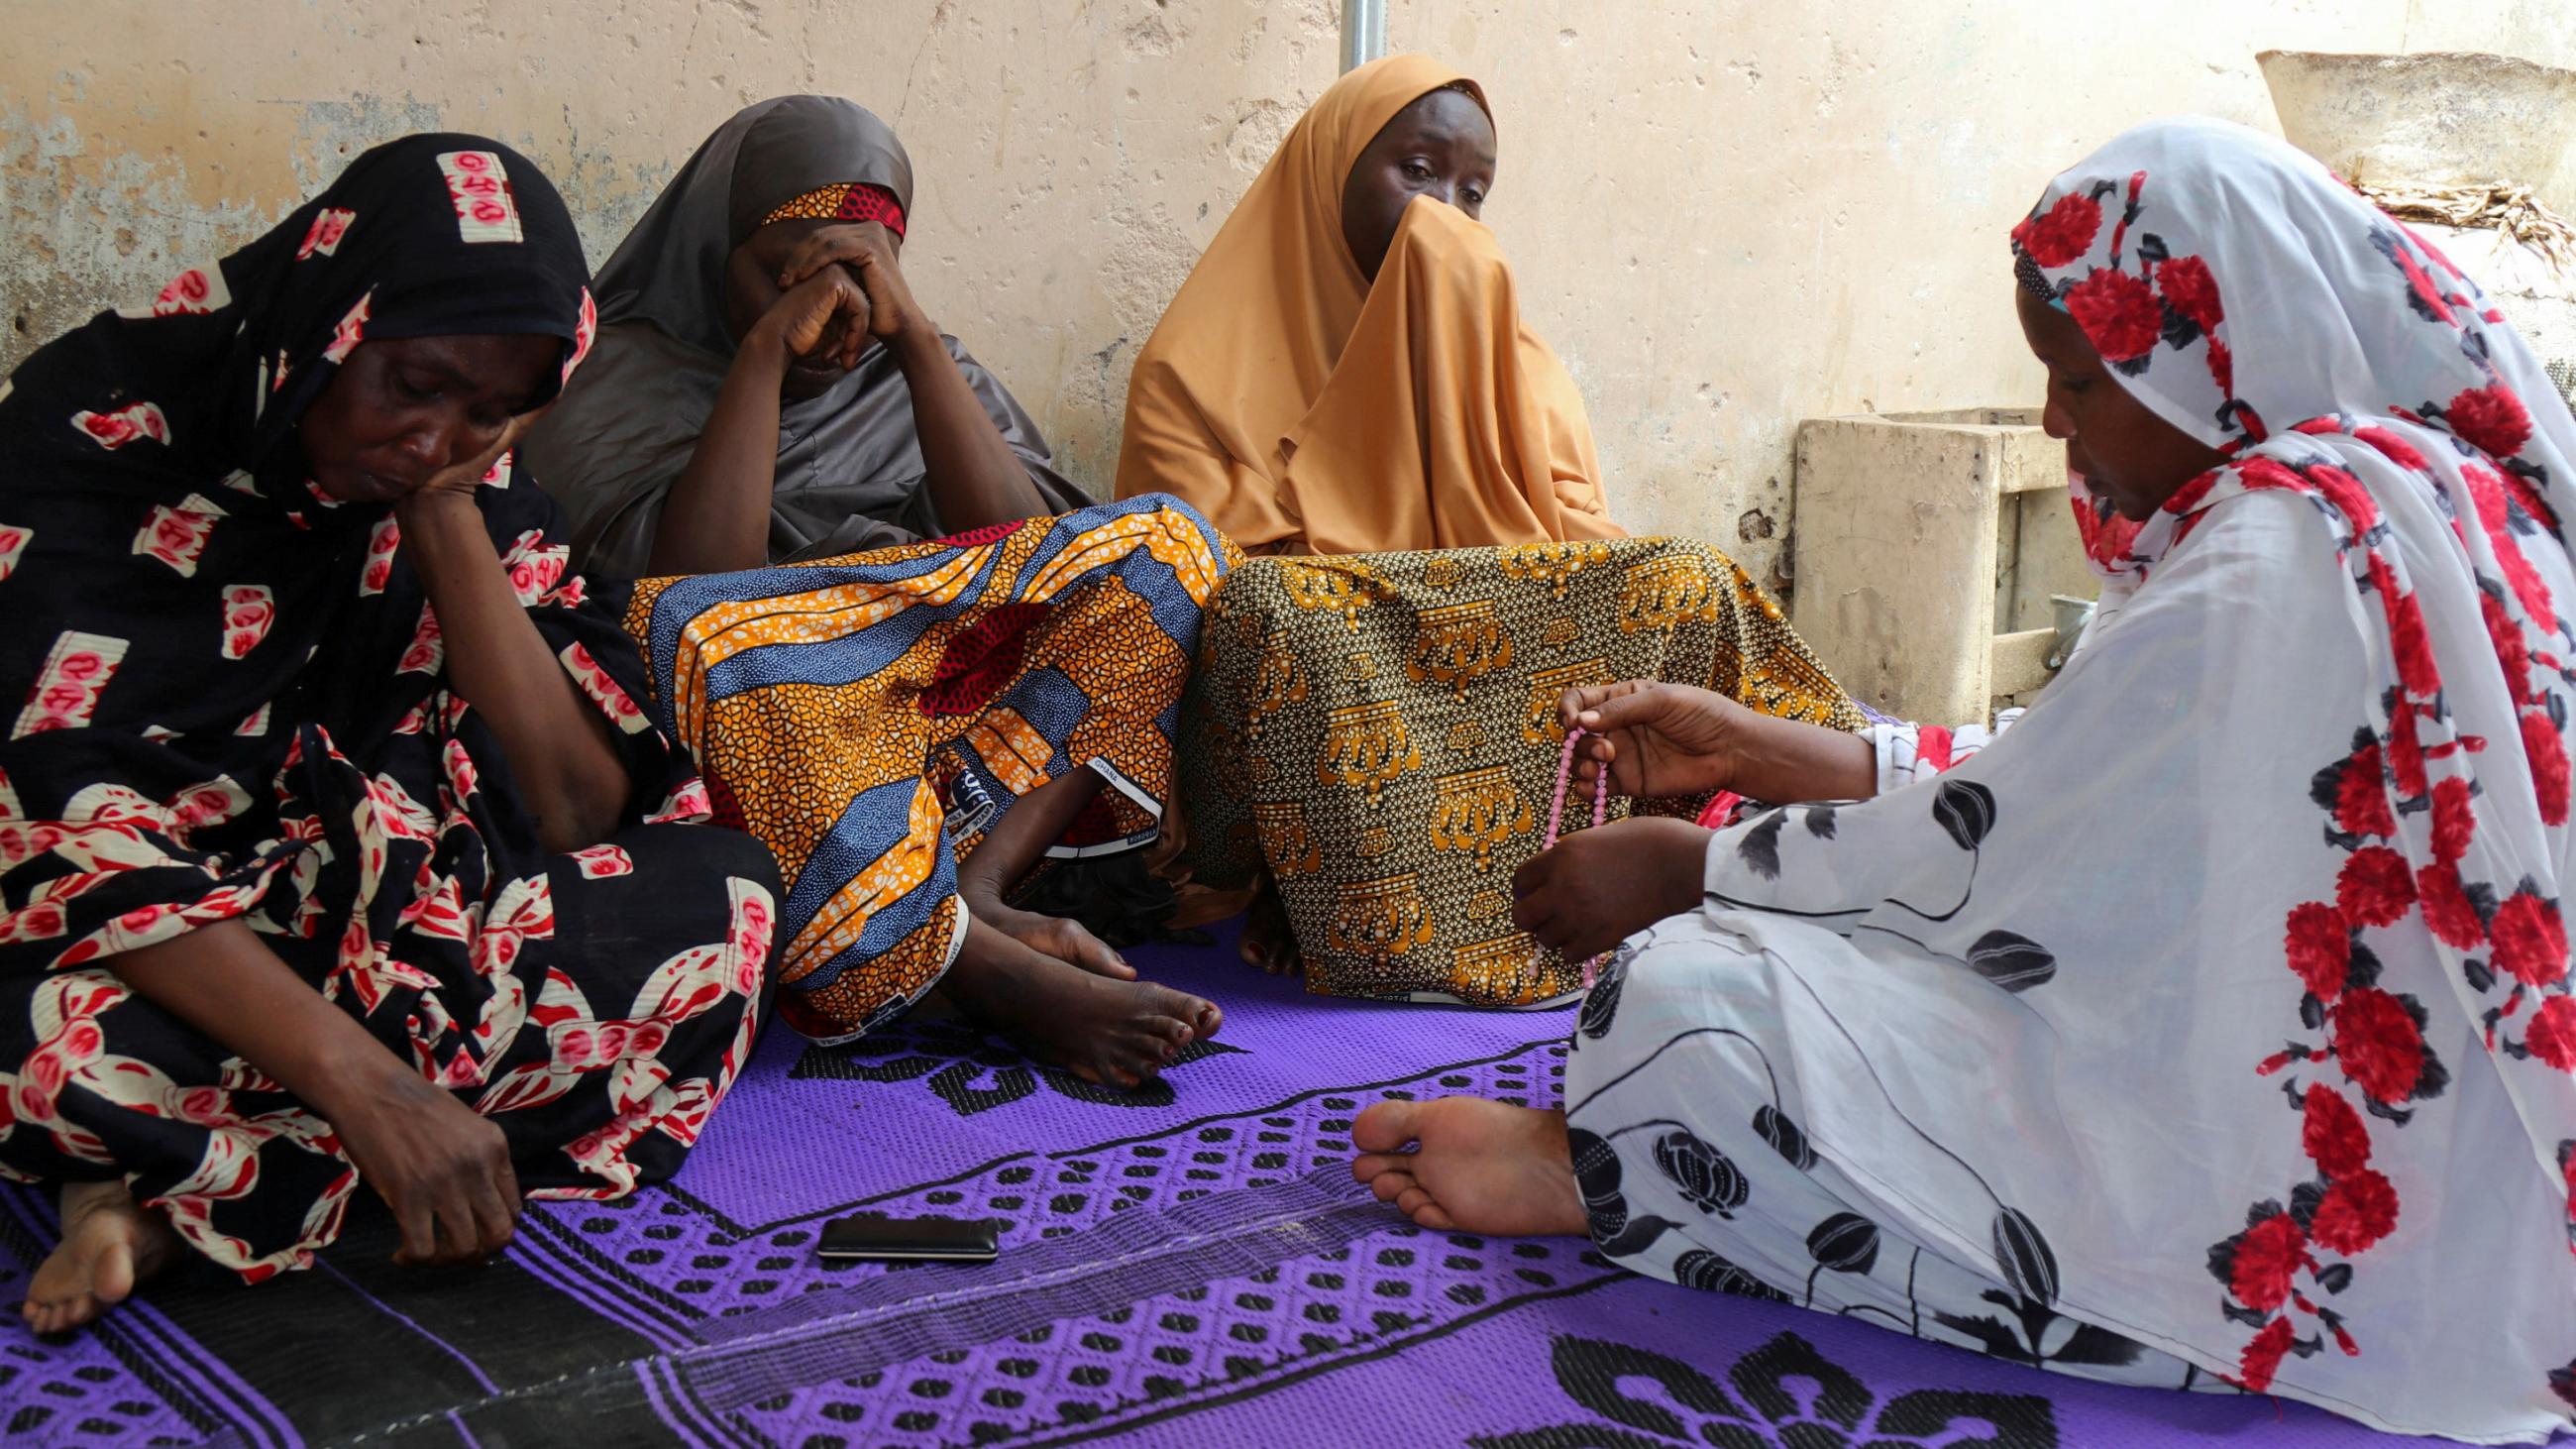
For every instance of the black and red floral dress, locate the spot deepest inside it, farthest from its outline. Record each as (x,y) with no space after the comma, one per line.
(223,697)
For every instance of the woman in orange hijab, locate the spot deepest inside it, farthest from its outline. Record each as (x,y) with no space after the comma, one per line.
(1346,370)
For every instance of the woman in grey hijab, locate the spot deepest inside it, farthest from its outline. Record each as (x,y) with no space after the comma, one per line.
(765,277)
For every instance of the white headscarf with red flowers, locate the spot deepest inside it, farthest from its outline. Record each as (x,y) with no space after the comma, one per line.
(2236,971)
(2258,304)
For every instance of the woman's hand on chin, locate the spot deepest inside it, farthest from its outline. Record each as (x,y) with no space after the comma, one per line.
(457,484)
(1595,888)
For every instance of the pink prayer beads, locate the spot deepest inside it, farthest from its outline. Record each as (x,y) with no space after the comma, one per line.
(1556,811)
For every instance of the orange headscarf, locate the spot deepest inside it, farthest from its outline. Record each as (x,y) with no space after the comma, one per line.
(1299,408)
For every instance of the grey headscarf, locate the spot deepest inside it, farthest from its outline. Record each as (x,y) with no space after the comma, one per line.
(849,467)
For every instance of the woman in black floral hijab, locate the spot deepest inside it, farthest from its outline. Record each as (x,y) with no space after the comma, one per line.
(333,847)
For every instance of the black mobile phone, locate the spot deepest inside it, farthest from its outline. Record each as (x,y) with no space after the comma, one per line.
(874,1239)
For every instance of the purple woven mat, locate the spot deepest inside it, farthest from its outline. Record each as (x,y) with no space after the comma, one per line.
(1191,1265)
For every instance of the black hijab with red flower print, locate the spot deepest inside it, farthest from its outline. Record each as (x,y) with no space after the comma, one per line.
(205,656)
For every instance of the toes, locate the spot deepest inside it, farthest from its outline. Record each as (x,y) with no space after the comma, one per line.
(1126,1063)
(1387,1126)
(1210,1017)
(1392,1183)
(1370,1166)
(1431,1215)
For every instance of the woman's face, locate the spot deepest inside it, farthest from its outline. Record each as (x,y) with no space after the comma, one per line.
(751,289)
(402,410)
(2130,455)
(1441,146)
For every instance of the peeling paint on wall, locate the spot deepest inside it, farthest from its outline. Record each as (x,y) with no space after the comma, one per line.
(1725,215)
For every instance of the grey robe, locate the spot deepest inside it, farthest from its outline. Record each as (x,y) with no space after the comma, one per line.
(850,472)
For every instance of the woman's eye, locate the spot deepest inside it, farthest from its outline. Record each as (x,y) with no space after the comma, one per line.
(1475,198)
(413,391)
(1417,170)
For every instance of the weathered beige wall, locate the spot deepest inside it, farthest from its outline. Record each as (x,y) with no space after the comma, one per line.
(1727,214)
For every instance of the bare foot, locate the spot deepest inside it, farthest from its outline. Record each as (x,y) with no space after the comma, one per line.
(1100,1028)
(1067,941)
(1267,940)
(109,1246)
(1482,1167)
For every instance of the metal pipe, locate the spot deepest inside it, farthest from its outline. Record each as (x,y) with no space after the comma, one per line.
(1363,32)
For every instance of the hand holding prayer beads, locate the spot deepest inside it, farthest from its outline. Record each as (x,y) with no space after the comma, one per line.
(1675,740)
(1654,738)
(1595,888)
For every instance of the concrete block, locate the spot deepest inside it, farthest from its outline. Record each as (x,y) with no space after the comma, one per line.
(1927,548)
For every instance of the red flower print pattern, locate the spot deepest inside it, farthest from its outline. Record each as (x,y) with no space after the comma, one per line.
(323,238)
(77,671)
(2530,939)
(381,546)
(2513,652)
(2376,888)
(2358,1211)
(2454,819)
(13,542)
(2190,290)
(351,331)
(2425,298)
(125,425)
(2494,508)
(2320,948)
(2490,419)
(2357,793)
(2448,912)
(480,188)
(2347,494)
(428,650)
(2552,1035)
(584,332)
(2549,766)
(2332,1134)
(177,536)
(535,565)
(603,690)
(249,609)
(2392,447)
(2266,1257)
(2406,754)
(2062,233)
(2380,1044)
(2263,1355)
(194,292)
(604,862)
(2119,313)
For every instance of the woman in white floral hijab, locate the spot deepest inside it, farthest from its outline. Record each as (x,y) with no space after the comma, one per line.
(2211,1024)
